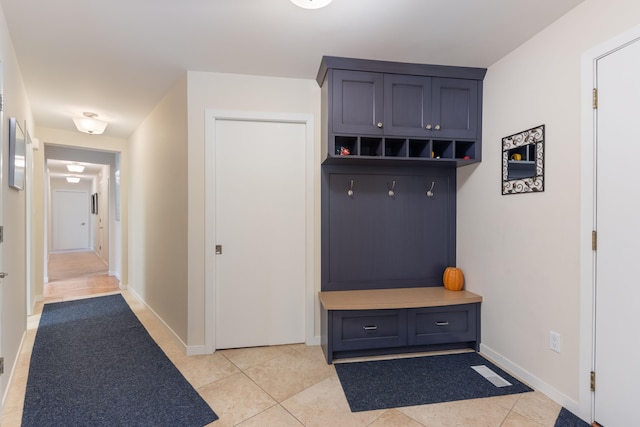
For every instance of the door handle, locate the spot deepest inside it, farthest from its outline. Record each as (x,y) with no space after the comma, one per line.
(82,223)
(3,275)
(218,249)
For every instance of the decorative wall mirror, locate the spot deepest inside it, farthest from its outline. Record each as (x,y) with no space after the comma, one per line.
(523,162)
(17,155)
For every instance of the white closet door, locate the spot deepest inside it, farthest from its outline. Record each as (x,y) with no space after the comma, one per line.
(70,220)
(260,214)
(617,353)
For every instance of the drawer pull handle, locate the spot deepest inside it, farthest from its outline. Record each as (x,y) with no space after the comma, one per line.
(442,323)
(370,328)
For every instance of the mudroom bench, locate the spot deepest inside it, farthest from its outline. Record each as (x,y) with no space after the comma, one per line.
(401,320)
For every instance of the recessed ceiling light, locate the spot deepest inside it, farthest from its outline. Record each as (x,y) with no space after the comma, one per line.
(311,4)
(73,179)
(75,168)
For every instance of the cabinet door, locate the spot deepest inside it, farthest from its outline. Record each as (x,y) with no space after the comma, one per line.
(407,105)
(366,329)
(438,325)
(357,99)
(455,108)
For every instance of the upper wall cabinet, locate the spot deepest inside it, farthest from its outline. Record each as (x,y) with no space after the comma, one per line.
(358,102)
(435,107)
(394,112)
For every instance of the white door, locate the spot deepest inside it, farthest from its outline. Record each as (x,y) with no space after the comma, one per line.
(2,172)
(617,348)
(260,213)
(70,220)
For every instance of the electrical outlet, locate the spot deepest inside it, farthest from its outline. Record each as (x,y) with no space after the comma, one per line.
(555,341)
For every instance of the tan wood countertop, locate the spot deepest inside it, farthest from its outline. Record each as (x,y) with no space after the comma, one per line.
(395,298)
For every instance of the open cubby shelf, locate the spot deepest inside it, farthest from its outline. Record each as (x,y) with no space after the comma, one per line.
(403,148)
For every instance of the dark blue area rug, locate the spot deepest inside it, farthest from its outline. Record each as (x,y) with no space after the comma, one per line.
(568,419)
(94,364)
(420,380)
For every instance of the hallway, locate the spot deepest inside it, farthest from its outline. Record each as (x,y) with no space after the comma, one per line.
(77,274)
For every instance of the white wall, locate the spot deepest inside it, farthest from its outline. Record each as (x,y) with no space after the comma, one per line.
(521,252)
(230,92)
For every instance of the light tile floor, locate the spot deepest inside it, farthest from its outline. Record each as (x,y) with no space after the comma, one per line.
(292,385)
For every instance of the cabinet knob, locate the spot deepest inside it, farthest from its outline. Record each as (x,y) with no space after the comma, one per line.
(437,127)
(428,127)
(380,124)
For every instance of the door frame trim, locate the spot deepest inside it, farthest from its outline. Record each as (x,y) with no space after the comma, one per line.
(587,214)
(211,116)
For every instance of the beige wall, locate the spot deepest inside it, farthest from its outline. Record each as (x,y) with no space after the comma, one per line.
(230,92)
(521,252)
(102,221)
(38,253)
(158,210)
(13,216)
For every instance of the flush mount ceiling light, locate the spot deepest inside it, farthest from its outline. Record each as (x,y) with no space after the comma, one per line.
(90,124)
(311,4)
(73,179)
(75,168)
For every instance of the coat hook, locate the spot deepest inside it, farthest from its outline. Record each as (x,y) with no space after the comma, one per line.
(430,190)
(392,193)
(350,191)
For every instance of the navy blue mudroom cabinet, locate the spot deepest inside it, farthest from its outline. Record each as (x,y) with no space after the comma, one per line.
(388,111)
(392,137)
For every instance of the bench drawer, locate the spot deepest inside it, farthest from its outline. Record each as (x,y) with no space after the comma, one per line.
(437,325)
(365,329)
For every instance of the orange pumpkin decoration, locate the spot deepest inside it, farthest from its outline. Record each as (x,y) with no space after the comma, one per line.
(453,279)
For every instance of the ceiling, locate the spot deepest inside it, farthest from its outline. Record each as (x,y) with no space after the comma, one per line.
(118,58)
(58,169)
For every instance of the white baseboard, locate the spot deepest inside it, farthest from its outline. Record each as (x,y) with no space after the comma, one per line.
(166,327)
(200,349)
(68,251)
(315,340)
(196,350)
(12,372)
(533,381)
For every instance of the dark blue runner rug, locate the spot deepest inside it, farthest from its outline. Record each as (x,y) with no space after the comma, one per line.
(94,364)
(420,380)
